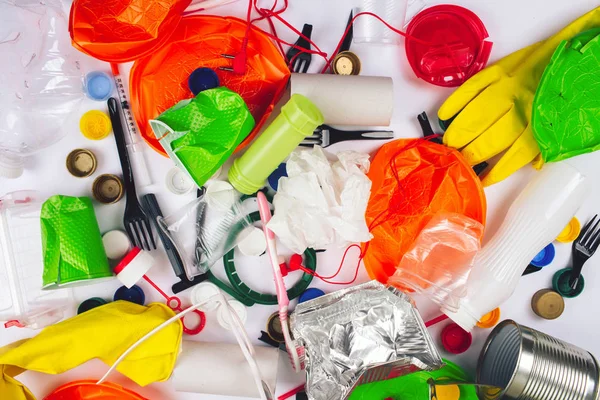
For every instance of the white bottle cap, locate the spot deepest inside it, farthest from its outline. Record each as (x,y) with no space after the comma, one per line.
(178,182)
(238,308)
(116,244)
(133,267)
(253,242)
(204,291)
(11,166)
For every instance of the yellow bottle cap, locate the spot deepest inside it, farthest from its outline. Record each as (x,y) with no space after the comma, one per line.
(571,231)
(490,319)
(95,125)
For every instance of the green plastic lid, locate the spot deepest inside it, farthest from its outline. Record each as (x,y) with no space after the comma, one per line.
(302,113)
(561,283)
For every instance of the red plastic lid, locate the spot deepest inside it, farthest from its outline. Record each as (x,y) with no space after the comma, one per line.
(455,339)
(127,259)
(455,47)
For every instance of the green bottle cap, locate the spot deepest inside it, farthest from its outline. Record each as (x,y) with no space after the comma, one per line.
(561,283)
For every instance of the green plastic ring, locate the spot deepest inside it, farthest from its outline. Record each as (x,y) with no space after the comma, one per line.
(310,257)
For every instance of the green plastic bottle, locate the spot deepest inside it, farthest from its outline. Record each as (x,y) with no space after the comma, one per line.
(298,119)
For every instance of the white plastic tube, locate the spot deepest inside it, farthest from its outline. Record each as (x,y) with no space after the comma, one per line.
(534,219)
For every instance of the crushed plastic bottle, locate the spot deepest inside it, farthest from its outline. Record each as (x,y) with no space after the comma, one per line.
(40,78)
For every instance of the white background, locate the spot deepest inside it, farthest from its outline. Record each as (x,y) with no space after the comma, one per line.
(511,24)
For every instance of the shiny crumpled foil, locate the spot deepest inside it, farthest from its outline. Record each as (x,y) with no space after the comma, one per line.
(358,335)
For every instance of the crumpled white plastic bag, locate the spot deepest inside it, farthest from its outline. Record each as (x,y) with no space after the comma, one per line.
(321,202)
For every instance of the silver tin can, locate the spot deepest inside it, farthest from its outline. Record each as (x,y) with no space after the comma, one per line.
(530,365)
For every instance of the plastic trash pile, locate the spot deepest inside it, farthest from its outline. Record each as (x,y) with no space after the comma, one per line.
(243,125)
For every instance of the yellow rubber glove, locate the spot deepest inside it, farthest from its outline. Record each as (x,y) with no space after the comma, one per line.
(493,108)
(104,332)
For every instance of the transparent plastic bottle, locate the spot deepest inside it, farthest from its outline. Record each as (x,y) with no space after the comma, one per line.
(534,219)
(40,80)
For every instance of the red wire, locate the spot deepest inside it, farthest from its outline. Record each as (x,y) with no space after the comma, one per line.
(326,278)
(156,287)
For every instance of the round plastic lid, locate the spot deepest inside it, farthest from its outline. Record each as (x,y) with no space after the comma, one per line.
(455,339)
(238,308)
(451,45)
(90,304)
(309,294)
(81,163)
(571,231)
(107,189)
(116,244)
(544,257)
(560,283)
(548,304)
(274,329)
(178,182)
(95,125)
(273,179)
(253,243)
(202,79)
(11,166)
(135,294)
(490,319)
(98,85)
(204,291)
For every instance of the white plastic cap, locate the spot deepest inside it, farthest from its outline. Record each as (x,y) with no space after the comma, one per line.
(11,166)
(202,292)
(134,266)
(238,308)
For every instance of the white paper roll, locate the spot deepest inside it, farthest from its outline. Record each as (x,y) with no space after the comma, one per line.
(221,369)
(348,99)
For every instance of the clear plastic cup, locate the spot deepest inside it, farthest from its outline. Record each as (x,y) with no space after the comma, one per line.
(368,29)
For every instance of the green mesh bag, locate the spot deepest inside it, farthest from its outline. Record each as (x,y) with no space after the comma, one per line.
(566,109)
(71,243)
(201,133)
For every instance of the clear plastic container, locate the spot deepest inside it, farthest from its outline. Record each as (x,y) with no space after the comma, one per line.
(22,300)
(534,219)
(207,228)
(368,29)
(439,261)
(40,80)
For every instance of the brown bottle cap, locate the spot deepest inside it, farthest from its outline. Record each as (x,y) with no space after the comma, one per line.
(346,63)
(81,163)
(547,304)
(274,328)
(107,189)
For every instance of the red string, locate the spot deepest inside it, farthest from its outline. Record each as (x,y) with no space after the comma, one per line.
(156,287)
(326,279)
(436,320)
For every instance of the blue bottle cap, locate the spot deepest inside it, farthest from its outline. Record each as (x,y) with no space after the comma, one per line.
(90,304)
(274,177)
(202,79)
(544,257)
(135,294)
(309,294)
(98,85)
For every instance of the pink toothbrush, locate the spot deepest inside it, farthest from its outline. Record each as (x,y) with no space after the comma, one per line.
(295,351)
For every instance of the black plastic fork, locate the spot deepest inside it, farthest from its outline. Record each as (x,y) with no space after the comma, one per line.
(584,248)
(298,58)
(137,224)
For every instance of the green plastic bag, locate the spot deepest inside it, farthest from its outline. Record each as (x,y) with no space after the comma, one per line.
(414,386)
(71,243)
(566,109)
(201,133)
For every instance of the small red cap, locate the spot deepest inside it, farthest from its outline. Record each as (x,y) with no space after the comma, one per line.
(127,259)
(455,339)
